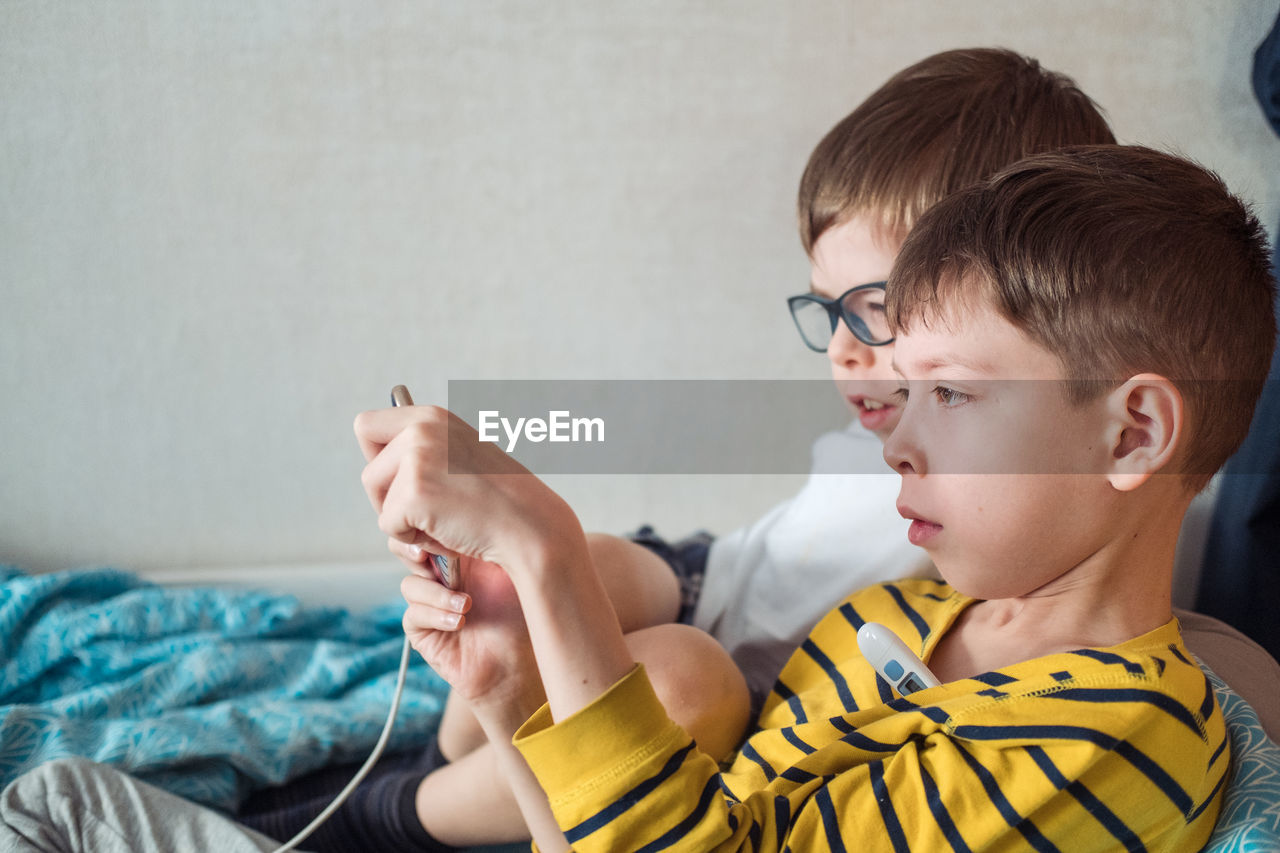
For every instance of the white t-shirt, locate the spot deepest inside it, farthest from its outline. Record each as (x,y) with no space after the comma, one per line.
(767,584)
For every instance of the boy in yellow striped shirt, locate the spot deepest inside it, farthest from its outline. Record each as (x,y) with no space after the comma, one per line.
(1080,343)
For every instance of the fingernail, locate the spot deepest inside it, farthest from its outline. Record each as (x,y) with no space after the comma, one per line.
(416,551)
(457,602)
(451,620)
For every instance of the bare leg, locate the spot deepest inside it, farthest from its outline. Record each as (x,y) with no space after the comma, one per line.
(644,592)
(641,586)
(469,802)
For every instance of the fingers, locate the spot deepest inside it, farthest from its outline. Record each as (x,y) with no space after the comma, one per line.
(413,556)
(404,440)
(418,450)
(413,456)
(426,591)
(420,559)
(375,429)
(405,480)
(432,606)
(408,509)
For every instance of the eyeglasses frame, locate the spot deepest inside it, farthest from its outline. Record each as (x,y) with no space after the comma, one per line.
(836,312)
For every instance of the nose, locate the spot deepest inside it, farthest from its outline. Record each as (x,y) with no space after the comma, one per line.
(902,449)
(846,351)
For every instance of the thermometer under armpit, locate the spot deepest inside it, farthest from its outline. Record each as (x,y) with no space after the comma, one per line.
(446,566)
(897,664)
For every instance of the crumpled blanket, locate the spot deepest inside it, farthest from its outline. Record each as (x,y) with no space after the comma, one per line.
(206,692)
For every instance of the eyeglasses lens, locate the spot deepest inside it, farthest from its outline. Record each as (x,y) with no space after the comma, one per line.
(815,323)
(864,309)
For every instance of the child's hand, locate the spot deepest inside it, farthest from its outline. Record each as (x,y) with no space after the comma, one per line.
(434,484)
(477,639)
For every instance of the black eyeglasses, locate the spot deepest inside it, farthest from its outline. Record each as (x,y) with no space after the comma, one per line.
(861,308)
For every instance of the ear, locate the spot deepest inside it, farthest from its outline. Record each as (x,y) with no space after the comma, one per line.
(1145,419)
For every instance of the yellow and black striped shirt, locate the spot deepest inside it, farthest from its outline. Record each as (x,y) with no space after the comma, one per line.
(1097,749)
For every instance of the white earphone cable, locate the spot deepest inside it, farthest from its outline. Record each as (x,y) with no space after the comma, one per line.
(368,764)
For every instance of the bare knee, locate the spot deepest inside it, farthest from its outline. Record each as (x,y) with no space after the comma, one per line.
(643,589)
(698,683)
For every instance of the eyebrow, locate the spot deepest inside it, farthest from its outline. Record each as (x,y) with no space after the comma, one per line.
(946,361)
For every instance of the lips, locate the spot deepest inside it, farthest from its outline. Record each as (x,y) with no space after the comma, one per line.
(922,530)
(872,414)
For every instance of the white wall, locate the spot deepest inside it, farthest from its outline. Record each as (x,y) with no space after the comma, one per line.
(225,228)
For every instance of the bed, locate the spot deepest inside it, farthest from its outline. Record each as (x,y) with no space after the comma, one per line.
(211,683)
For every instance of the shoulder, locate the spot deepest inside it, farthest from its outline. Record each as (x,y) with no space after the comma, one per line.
(1142,712)
(1152,676)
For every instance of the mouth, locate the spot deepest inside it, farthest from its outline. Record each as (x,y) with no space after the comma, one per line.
(872,414)
(922,530)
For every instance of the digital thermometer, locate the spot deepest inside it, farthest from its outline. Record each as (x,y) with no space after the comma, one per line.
(446,566)
(893,660)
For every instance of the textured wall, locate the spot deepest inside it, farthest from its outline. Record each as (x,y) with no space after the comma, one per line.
(227,227)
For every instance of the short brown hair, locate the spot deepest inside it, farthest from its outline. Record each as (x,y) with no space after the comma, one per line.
(1119,260)
(940,125)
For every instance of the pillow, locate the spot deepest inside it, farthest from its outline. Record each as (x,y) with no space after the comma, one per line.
(1250,818)
(1237,660)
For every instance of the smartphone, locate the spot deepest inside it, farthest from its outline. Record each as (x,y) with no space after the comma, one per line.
(446,567)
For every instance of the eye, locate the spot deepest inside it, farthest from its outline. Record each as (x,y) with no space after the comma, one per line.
(950,397)
(899,394)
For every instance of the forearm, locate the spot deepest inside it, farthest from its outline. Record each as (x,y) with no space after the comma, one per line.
(573,629)
(499,727)
(579,652)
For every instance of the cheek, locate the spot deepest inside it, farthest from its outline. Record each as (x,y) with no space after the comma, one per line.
(961,446)
(1042,435)
(994,516)
(1016,521)
(991,446)
(1004,533)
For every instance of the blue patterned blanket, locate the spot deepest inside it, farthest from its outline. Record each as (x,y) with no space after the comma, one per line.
(205,692)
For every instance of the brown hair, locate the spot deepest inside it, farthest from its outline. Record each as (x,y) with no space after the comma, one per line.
(942,124)
(1119,260)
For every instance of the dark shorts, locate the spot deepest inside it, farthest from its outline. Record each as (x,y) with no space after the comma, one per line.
(687,559)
